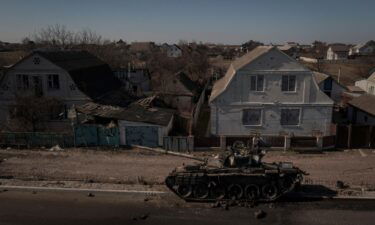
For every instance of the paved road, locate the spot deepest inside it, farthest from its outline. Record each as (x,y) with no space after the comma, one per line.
(51,207)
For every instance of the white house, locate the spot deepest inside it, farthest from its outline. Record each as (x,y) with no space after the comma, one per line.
(172,51)
(74,77)
(368,85)
(329,86)
(267,91)
(363,49)
(337,52)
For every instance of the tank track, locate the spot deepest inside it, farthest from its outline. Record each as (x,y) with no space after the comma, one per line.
(247,184)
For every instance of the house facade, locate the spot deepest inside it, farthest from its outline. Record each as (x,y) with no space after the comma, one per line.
(363,49)
(172,51)
(268,92)
(74,77)
(368,85)
(136,81)
(329,86)
(337,52)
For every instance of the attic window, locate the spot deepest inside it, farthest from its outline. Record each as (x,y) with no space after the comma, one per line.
(36,61)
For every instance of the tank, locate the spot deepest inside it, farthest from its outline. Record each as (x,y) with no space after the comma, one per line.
(239,174)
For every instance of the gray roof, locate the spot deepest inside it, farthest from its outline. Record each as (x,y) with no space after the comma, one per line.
(220,86)
(320,77)
(340,48)
(365,103)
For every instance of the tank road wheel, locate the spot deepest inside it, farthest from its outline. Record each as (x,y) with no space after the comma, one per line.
(217,191)
(201,191)
(252,192)
(235,191)
(184,190)
(269,191)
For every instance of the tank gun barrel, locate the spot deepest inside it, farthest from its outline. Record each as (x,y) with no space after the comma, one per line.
(163,151)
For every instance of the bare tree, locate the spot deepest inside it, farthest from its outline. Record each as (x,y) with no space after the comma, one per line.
(54,35)
(30,113)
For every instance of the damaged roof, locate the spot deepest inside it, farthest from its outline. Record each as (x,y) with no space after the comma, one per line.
(134,113)
(365,103)
(220,86)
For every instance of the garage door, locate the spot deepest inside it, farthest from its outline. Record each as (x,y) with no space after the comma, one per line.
(142,135)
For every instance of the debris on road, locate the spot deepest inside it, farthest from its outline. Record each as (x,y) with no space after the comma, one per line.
(90,195)
(56,148)
(259,214)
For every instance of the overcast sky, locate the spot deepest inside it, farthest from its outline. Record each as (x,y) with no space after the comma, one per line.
(218,21)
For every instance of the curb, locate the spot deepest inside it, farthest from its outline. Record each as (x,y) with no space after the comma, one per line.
(23,188)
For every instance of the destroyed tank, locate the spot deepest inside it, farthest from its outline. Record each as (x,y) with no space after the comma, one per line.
(240,175)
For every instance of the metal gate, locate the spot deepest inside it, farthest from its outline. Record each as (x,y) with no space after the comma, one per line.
(142,135)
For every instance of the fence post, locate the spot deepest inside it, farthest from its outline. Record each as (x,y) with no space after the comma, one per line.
(191,143)
(319,142)
(223,143)
(287,140)
(350,136)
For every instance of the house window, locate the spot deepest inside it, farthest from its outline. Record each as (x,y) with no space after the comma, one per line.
(53,82)
(257,83)
(288,83)
(23,82)
(290,116)
(252,117)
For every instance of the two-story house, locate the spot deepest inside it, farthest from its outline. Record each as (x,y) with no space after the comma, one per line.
(74,77)
(268,92)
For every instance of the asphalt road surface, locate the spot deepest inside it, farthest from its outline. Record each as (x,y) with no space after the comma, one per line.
(61,207)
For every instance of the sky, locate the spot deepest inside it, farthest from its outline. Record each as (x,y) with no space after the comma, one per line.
(215,21)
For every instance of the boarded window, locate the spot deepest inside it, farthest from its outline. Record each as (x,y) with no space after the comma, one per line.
(288,83)
(53,82)
(290,116)
(23,82)
(257,83)
(252,117)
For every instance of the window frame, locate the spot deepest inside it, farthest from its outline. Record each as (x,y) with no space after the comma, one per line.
(22,84)
(256,83)
(288,79)
(299,116)
(260,119)
(51,82)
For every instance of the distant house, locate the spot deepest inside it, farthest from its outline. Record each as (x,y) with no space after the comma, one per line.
(361,110)
(181,93)
(337,52)
(142,46)
(329,86)
(292,51)
(141,123)
(368,85)
(172,51)
(351,93)
(363,49)
(137,82)
(267,91)
(74,77)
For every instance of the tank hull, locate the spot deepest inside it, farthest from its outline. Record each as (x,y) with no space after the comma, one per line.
(203,184)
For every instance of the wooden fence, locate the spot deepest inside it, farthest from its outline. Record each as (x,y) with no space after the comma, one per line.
(355,136)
